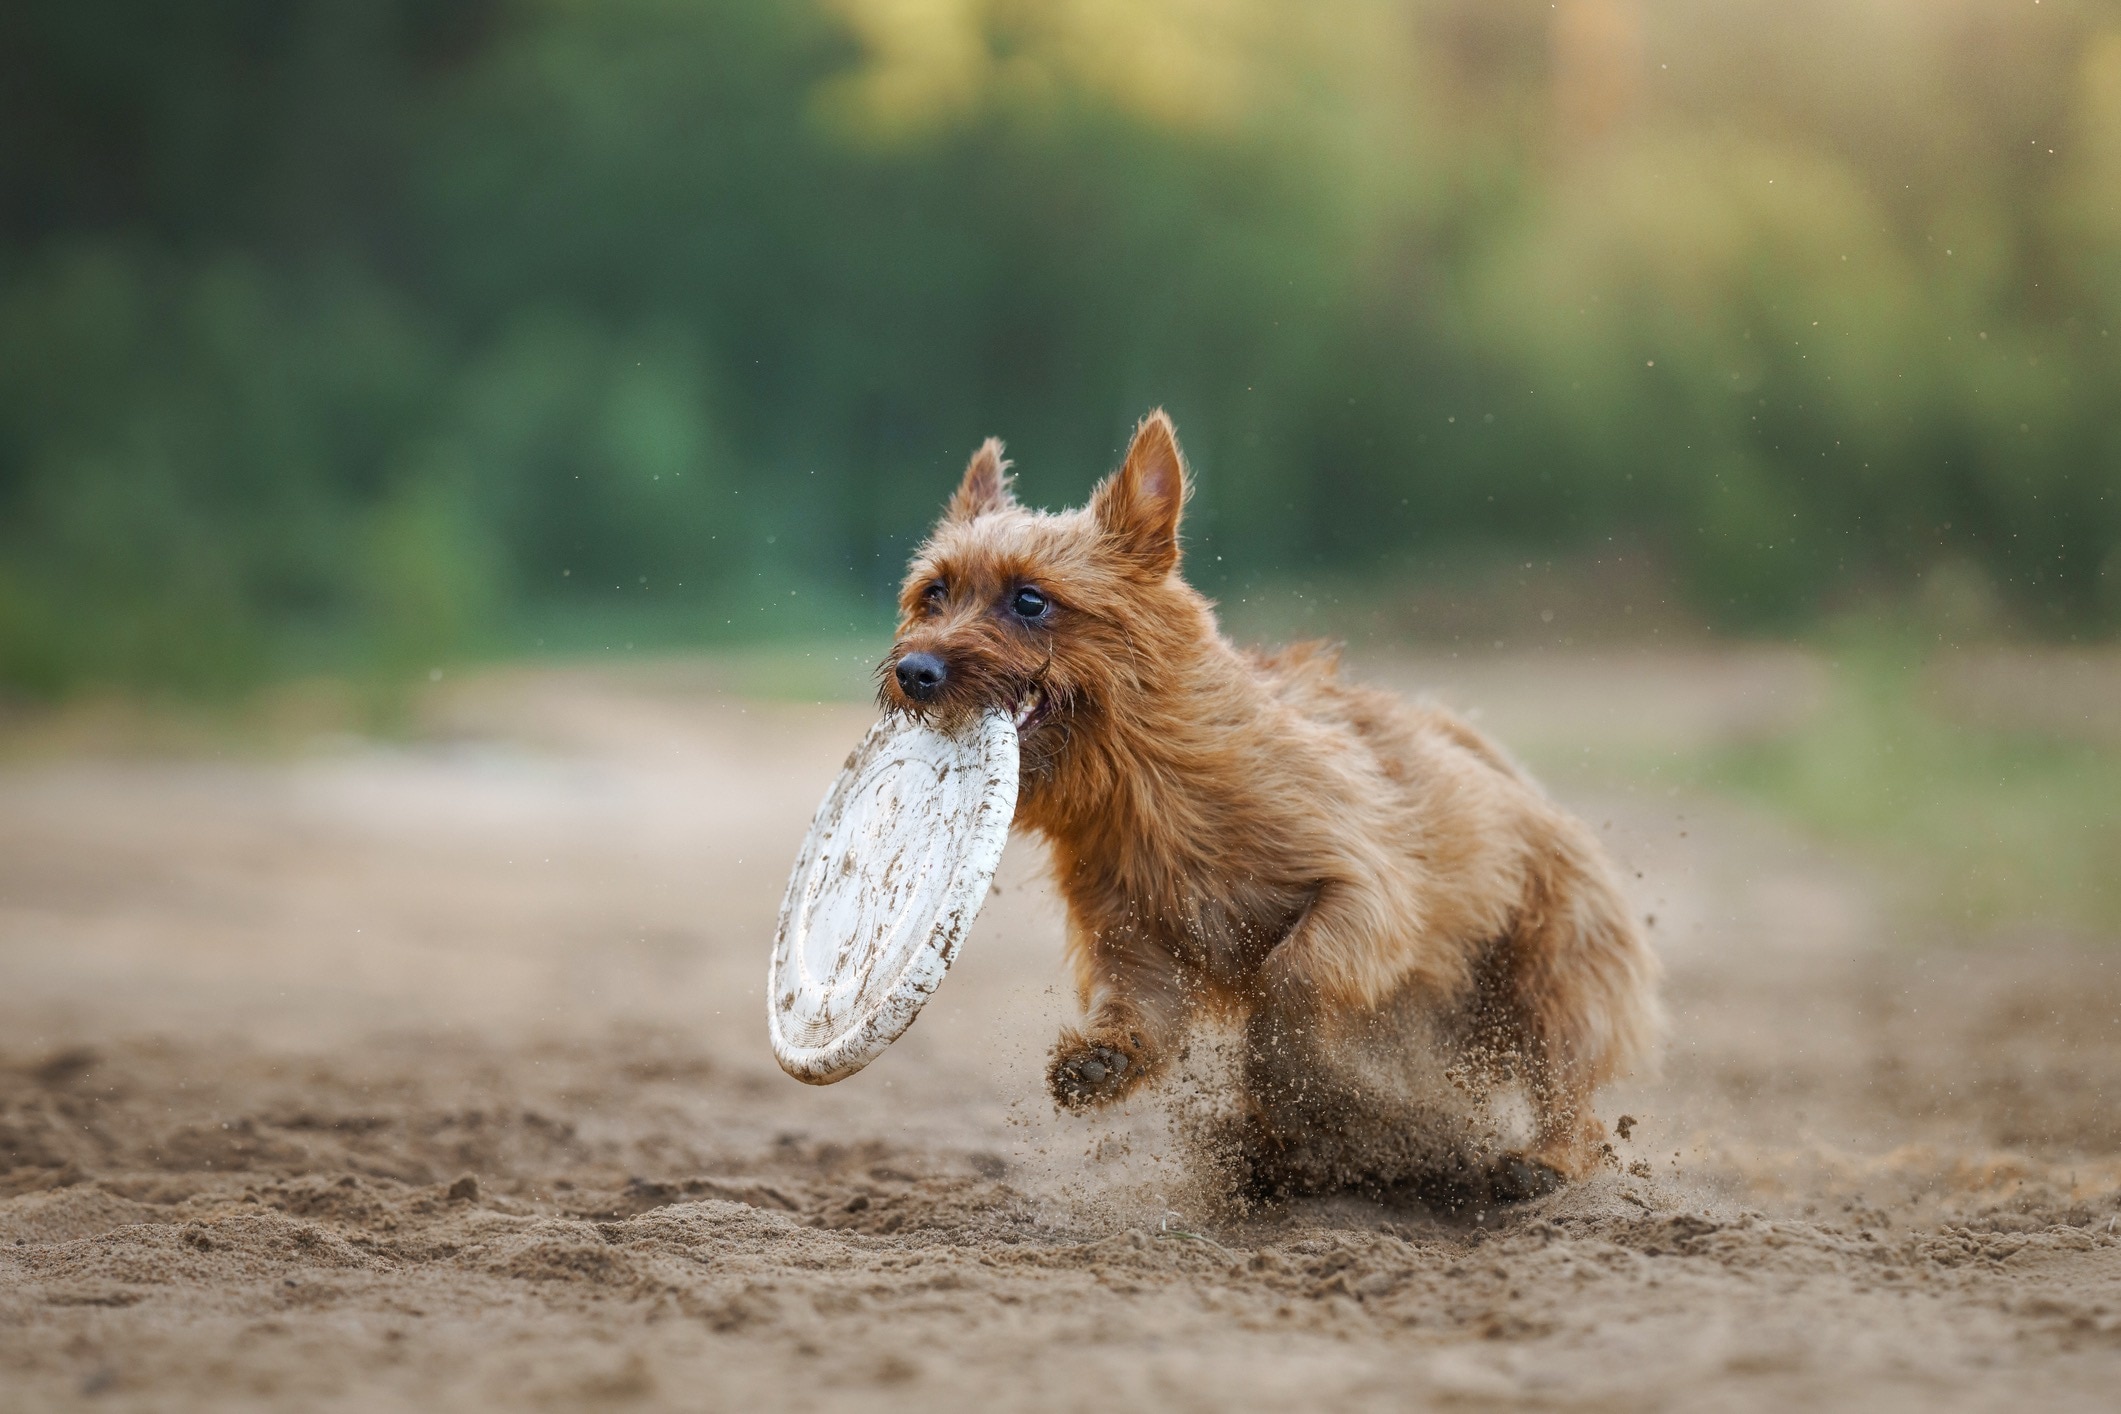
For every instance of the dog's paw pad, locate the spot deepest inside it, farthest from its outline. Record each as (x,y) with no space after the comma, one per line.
(1083,1077)
(1517,1179)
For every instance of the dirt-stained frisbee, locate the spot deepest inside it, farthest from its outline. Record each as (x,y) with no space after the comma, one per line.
(892,874)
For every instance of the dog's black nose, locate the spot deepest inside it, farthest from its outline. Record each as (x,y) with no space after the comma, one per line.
(920,675)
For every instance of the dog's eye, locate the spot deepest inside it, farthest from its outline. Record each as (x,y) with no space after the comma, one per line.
(933,596)
(1028,603)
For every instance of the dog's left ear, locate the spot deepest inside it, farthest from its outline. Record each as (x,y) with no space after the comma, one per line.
(1138,506)
(986,484)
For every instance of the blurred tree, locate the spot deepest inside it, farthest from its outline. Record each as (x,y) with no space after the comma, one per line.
(399,324)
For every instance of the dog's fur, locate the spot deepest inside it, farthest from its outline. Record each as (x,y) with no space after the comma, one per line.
(1375,889)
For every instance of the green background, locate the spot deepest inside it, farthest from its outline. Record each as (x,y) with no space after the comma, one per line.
(369,335)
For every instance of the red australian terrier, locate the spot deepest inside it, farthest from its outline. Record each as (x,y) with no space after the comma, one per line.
(1408,930)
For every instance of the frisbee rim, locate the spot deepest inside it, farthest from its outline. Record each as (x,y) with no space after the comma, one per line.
(991,742)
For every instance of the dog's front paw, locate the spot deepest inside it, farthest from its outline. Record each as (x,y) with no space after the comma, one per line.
(1087,1073)
(1519,1178)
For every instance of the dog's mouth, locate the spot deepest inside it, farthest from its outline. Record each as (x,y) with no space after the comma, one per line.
(1031,709)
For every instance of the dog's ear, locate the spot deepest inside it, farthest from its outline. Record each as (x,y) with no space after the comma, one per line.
(1138,505)
(986,484)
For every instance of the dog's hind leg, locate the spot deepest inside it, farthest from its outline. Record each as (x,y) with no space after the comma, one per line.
(1574,997)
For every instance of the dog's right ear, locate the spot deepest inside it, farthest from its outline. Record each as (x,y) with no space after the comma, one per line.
(1138,506)
(986,484)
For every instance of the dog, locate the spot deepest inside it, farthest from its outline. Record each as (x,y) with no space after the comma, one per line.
(1404,926)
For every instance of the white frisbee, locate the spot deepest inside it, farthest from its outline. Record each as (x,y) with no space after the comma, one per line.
(892,874)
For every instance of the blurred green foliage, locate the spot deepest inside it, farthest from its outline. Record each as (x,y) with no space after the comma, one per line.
(404,327)
(1987,822)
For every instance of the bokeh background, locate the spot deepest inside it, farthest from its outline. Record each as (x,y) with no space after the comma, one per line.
(355,343)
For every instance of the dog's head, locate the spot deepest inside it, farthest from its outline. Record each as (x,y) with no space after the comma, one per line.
(1061,620)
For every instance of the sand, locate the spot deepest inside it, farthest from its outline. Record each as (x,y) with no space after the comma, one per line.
(436,1076)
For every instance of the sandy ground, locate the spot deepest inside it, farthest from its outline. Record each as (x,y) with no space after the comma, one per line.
(436,1077)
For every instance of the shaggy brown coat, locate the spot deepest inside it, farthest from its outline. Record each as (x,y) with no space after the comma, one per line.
(1249,834)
